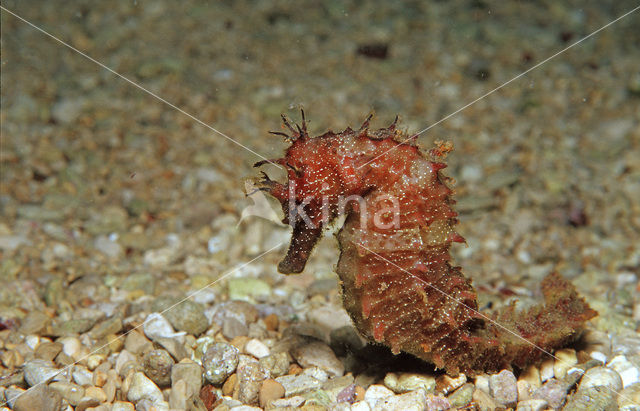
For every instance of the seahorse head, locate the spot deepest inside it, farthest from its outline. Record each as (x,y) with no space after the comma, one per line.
(322,174)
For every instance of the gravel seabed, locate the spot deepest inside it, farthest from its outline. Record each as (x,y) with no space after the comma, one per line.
(114,207)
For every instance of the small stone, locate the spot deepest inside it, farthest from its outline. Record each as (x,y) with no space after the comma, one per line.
(143,388)
(269,391)
(483,401)
(532,375)
(157,366)
(595,398)
(565,360)
(277,364)
(137,343)
(532,405)
(184,315)
(96,393)
(82,376)
(189,372)
(220,361)
(411,401)
(346,339)
(248,289)
(72,327)
(629,373)
(156,326)
(39,371)
(360,406)
(289,402)
(250,378)
(229,385)
(503,388)
(552,391)
(175,347)
(546,369)
(48,350)
(109,326)
(376,393)
(406,382)
(256,348)
(71,393)
(318,354)
(446,384)
(232,328)
(629,398)
(298,384)
(178,395)
(122,406)
(34,323)
(524,390)
(462,396)
(40,397)
(601,376)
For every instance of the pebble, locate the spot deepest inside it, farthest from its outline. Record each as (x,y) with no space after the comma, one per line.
(41,398)
(546,369)
(565,360)
(597,398)
(409,382)
(34,323)
(97,393)
(601,376)
(269,391)
(111,325)
(483,401)
(552,391)
(250,378)
(375,393)
(190,373)
(629,398)
(38,371)
(256,348)
(71,393)
(277,364)
(318,354)
(232,328)
(446,384)
(289,402)
(360,406)
(137,343)
(462,396)
(157,366)
(629,373)
(156,326)
(82,376)
(411,401)
(503,387)
(184,315)
(122,406)
(532,405)
(219,362)
(298,384)
(143,388)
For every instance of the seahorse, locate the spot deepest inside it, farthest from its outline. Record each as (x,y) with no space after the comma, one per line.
(398,282)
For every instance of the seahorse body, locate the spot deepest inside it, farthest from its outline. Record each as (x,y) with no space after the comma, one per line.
(398,284)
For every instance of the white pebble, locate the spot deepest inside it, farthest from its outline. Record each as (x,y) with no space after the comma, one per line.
(565,359)
(32,341)
(546,369)
(156,326)
(360,406)
(597,355)
(375,393)
(601,376)
(143,388)
(256,348)
(629,373)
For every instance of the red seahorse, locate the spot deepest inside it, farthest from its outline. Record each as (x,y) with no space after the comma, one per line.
(398,284)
